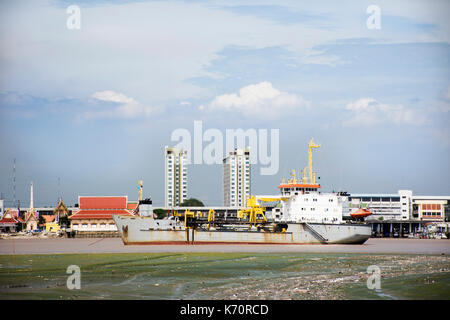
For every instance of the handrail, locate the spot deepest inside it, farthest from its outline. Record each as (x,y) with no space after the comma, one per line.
(316,233)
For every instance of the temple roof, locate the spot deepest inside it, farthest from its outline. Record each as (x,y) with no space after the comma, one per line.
(98,214)
(101,207)
(8,218)
(116,202)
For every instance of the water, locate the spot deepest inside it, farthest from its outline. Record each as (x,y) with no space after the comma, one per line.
(224,276)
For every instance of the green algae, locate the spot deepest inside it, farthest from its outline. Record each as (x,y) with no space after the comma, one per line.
(223,276)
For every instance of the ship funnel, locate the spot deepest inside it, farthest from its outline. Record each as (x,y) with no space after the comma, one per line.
(146,208)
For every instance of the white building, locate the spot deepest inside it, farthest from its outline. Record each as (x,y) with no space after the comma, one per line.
(401,206)
(236,178)
(175,176)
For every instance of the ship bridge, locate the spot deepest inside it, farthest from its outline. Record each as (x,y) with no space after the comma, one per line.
(305,184)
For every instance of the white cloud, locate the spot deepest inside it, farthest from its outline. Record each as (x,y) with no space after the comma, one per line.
(370,112)
(260,99)
(124,107)
(447,94)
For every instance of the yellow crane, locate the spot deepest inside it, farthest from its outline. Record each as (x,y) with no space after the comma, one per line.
(211,217)
(311,146)
(141,186)
(254,211)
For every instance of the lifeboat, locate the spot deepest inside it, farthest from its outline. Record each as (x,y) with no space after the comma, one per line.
(361,213)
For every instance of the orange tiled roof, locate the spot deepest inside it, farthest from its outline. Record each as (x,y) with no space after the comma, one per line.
(48,218)
(132,205)
(30,214)
(119,202)
(98,214)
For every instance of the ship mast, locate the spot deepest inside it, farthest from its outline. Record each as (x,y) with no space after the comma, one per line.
(311,145)
(141,185)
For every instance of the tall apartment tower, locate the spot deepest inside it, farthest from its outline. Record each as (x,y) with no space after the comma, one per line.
(176,176)
(236,178)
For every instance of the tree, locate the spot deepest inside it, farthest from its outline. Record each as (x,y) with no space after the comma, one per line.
(41,220)
(64,221)
(161,213)
(192,202)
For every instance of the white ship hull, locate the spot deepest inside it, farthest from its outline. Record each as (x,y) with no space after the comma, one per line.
(146,230)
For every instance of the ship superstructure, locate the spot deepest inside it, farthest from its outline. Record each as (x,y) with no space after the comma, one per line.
(303,202)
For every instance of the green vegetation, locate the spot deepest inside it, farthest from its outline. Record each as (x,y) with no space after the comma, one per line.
(160,213)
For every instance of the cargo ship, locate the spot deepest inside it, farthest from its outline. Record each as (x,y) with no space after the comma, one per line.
(300,214)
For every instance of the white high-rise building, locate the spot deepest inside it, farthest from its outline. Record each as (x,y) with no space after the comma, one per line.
(176,176)
(236,178)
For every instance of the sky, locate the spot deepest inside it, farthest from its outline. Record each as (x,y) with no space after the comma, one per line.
(88,110)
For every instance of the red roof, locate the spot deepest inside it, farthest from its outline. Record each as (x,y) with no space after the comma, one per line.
(98,214)
(132,205)
(8,220)
(103,202)
(100,207)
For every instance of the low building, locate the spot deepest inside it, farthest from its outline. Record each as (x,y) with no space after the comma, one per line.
(400,214)
(52,227)
(50,224)
(430,208)
(384,206)
(401,206)
(11,222)
(95,214)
